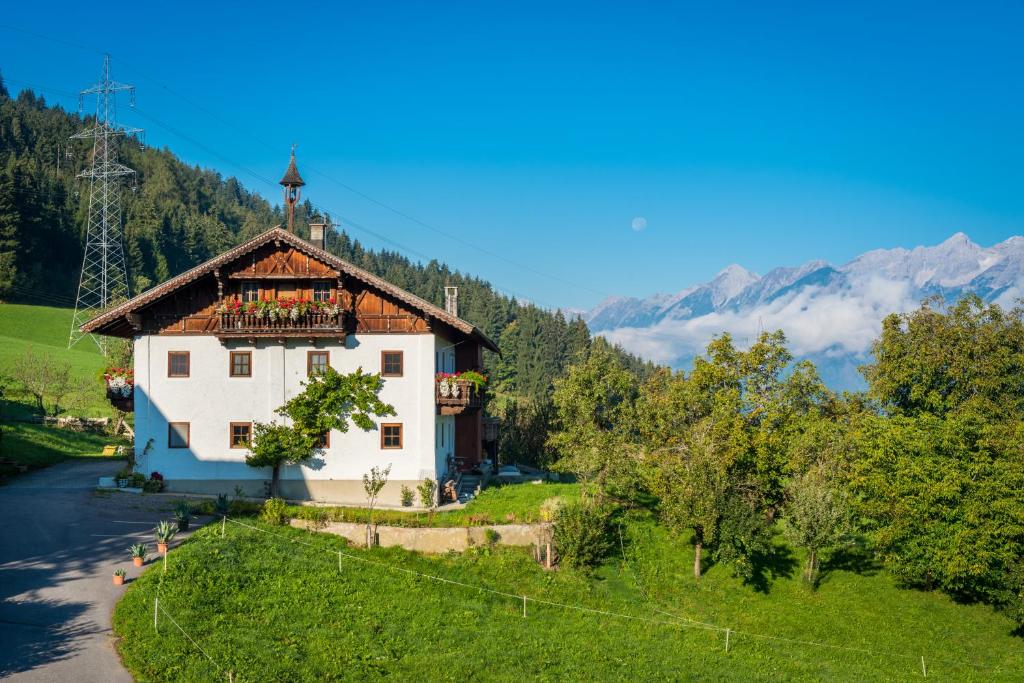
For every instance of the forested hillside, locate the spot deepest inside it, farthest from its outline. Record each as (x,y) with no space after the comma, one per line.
(176,216)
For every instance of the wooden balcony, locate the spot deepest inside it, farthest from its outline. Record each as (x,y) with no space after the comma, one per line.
(460,397)
(249,325)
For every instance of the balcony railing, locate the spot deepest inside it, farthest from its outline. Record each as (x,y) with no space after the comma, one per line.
(456,396)
(318,323)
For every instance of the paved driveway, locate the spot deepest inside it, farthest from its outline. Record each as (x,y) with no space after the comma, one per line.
(59,545)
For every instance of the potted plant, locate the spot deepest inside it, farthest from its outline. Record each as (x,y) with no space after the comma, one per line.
(119,575)
(122,477)
(139,552)
(165,532)
(183,515)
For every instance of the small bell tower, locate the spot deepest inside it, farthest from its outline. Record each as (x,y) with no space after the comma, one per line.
(292,183)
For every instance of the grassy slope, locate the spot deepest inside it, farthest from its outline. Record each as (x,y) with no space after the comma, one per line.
(269,609)
(38,445)
(46,330)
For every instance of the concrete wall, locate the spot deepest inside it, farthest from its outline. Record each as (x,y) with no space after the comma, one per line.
(209,399)
(433,540)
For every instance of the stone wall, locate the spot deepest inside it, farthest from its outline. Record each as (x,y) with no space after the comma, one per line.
(433,540)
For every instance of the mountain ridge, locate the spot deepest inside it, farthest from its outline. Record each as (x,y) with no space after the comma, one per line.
(830,313)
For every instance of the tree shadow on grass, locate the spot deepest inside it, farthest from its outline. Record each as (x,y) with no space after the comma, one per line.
(779,562)
(855,558)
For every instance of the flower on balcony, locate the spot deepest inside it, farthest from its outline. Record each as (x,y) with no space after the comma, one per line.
(120,381)
(448,382)
(280,309)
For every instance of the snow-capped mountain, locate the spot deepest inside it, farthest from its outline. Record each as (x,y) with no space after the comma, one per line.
(830,314)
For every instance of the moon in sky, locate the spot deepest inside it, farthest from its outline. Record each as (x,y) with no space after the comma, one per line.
(639,223)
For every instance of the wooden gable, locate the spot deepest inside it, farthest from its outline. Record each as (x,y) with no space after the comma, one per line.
(279,261)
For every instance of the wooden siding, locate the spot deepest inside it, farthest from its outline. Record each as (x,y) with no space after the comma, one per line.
(281,272)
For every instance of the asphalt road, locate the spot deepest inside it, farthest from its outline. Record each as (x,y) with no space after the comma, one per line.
(59,546)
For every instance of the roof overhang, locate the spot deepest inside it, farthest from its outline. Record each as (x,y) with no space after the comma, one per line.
(123,320)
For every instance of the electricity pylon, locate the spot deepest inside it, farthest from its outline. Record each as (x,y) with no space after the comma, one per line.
(104,279)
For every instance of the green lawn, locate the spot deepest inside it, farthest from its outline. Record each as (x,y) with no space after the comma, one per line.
(518,503)
(38,445)
(46,330)
(267,608)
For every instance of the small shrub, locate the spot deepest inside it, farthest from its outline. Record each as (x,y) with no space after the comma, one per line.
(549,508)
(139,550)
(491,537)
(120,572)
(153,486)
(274,512)
(581,534)
(407,497)
(223,505)
(428,493)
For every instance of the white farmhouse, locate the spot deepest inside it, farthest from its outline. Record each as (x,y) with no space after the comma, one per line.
(220,347)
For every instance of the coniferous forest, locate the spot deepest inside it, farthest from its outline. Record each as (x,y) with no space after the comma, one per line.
(176,216)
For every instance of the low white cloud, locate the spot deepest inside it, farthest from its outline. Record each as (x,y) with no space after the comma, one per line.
(815,321)
(638,223)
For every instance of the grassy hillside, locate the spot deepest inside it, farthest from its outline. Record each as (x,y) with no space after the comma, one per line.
(45,329)
(37,446)
(273,608)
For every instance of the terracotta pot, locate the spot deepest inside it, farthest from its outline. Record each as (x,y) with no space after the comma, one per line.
(161,548)
(118,580)
(137,561)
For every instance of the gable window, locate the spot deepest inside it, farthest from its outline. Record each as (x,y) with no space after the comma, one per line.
(391,435)
(250,291)
(177,434)
(317,362)
(177,364)
(321,291)
(391,363)
(241,434)
(241,364)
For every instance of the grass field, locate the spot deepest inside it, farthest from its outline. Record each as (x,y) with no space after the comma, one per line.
(269,608)
(46,330)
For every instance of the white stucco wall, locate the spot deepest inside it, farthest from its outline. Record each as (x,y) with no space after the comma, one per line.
(209,399)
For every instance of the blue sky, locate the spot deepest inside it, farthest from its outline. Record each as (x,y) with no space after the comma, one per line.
(536,132)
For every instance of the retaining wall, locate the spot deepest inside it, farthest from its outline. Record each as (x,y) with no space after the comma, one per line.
(433,540)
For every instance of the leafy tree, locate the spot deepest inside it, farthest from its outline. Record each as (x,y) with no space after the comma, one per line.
(939,474)
(692,483)
(328,401)
(46,380)
(331,401)
(274,445)
(593,405)
(817,515)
